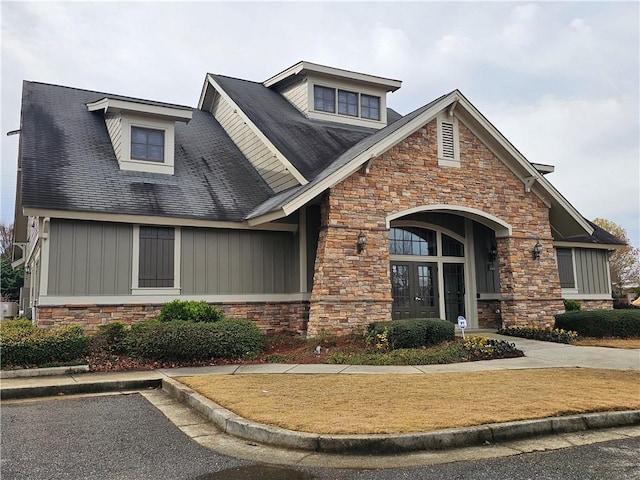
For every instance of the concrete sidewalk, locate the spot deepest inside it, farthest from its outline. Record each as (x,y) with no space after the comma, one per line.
(537,355)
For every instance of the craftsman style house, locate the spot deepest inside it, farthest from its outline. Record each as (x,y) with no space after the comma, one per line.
(302,202)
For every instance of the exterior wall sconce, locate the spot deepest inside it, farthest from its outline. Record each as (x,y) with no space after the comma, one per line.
(362,242)
(27,270)
(537,250)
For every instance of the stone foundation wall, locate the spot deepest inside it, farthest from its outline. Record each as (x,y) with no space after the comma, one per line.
(596,304)
(489,314)
(274,317)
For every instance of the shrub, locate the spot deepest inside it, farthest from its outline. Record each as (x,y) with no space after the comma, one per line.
(483,348)
(446,353)
(410,333)
(179,340)
(111,338)
(189,311)
(557,335)
(439,331)
(26,345)
(601,323)
(571,305)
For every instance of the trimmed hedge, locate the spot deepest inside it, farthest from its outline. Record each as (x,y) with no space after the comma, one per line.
(412,333)
(601,323)
(189,311)
(111,337)
(23,344)
(179,340)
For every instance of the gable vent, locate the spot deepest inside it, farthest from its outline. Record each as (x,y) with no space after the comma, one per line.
(447,140)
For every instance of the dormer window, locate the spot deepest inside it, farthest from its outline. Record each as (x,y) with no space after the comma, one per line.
(147,144)
(348,103)
(324,99)
(370,107)
(142,133)
(352,104)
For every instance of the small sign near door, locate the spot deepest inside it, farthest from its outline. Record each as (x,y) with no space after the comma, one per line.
(462,324)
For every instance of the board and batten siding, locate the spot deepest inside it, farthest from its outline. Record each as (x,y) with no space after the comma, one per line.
(261,157)
(89,258)
(298,95)
(114,127)
(591,271)
(217,261)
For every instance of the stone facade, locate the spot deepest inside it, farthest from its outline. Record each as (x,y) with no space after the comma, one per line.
(596,304)
(351,289)
(489,314)
(271,317)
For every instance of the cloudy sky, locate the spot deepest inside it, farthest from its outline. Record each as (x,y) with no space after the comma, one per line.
(559,80)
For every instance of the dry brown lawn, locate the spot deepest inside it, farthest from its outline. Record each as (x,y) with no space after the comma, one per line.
(609,342)
(343,404)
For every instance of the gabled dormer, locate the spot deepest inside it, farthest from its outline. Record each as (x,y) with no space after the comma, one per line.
(335,95)
(142,134)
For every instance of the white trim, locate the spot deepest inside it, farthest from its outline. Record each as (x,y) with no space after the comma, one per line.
(470,285)
(596,246)
(164,221)
(163,298)
(44,256)
(135,265)
(279,155)
(303,67)
(586,296)
(501,228)
(173,113)
(127,122)
(569,291)
(155,291)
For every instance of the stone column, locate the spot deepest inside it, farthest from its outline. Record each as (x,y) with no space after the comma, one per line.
(350,289)
(530,288)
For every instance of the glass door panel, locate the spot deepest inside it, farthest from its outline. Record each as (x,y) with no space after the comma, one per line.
(453,291)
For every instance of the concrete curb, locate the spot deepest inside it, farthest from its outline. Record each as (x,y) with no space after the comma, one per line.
(237,426)
(43,372)
(77,388)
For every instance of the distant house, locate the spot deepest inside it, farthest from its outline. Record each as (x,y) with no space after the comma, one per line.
(302,202)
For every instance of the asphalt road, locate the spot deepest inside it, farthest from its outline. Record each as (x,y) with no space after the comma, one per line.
(125,437)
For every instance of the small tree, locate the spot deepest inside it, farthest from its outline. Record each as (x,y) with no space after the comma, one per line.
(625,262)
(6,241)
(11,281)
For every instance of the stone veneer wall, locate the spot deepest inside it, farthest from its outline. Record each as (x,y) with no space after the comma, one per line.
(489,315)
(596,304)
(352,289)
(271,317)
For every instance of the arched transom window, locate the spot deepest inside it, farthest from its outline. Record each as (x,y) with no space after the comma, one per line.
(422,242)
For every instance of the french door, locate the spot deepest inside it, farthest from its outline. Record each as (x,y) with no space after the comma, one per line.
(414,290)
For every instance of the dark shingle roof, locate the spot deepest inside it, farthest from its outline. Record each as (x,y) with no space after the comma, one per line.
(310,145)
(68,163)
(599,235)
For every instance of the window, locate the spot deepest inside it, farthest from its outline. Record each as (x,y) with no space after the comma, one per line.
(412,241)
(565,267)
(156,264)
(451,247)
(347,103)
(370,107)
(147,144)
(324,99)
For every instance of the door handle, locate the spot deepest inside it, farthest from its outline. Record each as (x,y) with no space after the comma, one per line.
(417,299)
